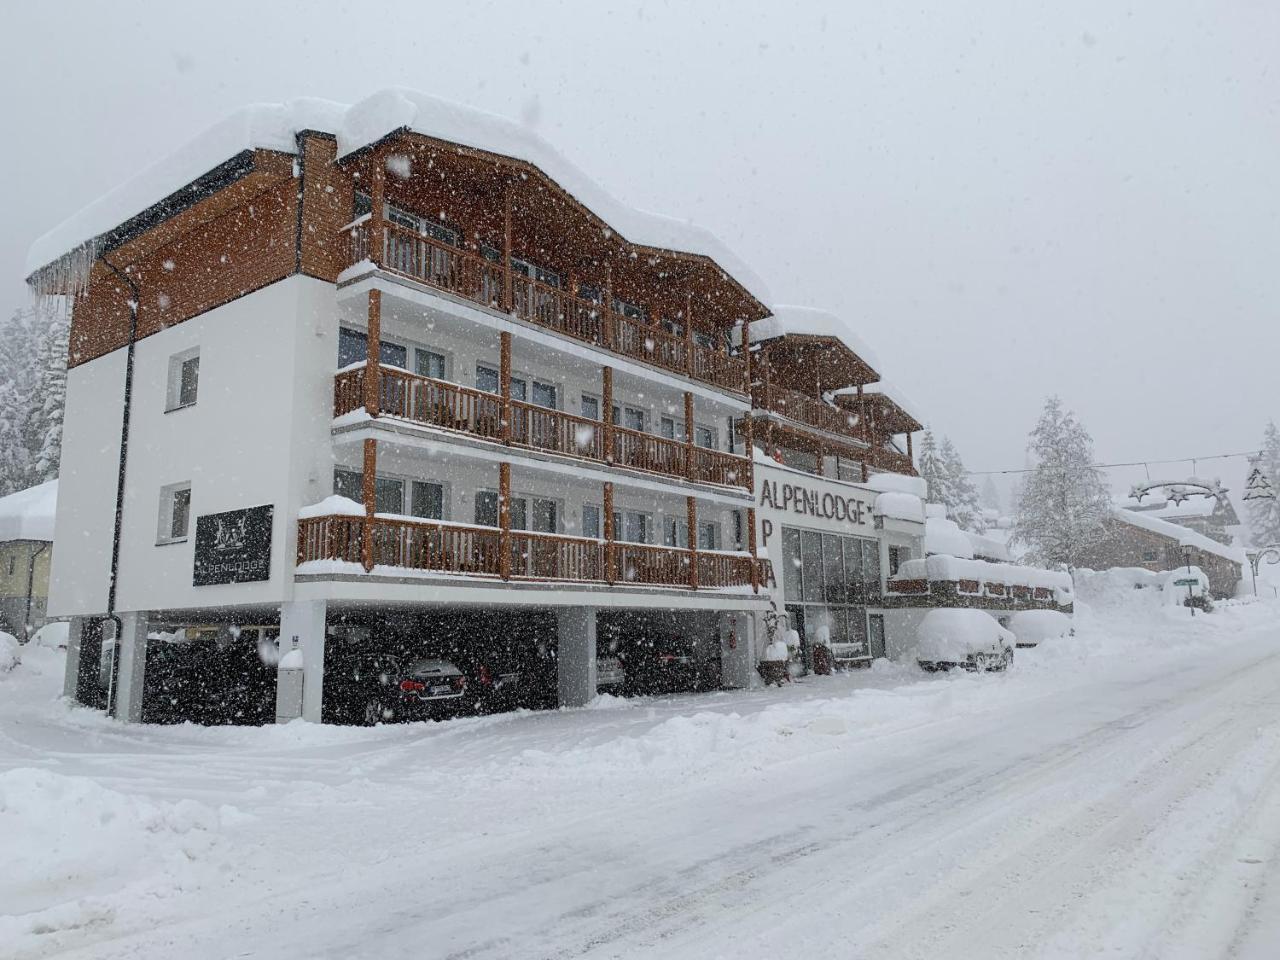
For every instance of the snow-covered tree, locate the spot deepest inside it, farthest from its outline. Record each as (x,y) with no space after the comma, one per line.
(962,502)
(33,356)
(1264,513)
(932,468)
(990,495)
(1064,501)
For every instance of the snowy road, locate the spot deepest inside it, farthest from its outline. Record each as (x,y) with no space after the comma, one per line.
(1122,798)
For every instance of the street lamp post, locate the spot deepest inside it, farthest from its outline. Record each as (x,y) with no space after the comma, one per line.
(1187,550)
(1270,554)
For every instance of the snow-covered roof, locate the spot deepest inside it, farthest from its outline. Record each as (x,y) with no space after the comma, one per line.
(942,567)
(28,514)
(889,392)
(944,536)
(989,548)
(274,126)
(899,506)
(1183,535)
(811,322)
(886,482)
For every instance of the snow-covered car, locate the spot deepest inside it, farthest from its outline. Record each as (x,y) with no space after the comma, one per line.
(1031,627)
(970,639)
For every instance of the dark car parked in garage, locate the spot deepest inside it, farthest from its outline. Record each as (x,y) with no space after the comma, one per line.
(371,688)
(666,665)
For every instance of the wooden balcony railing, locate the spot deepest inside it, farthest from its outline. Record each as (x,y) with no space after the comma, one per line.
(808,410)
(481,280)
(470,550)
(893,461)
(452,406)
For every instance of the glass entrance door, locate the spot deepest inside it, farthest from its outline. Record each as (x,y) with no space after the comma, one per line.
(876,634)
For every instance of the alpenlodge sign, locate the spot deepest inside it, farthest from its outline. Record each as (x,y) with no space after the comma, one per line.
(233,547)
(806,501)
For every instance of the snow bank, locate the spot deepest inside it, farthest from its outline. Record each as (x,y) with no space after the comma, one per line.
(898,483)
(274,126)
(950,635)
(52,635)
(70,839)
(1037,626)
(944,536)
(9,657)
(899,506)
(28,514)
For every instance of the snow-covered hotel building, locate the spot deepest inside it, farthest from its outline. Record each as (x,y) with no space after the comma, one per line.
(400,370)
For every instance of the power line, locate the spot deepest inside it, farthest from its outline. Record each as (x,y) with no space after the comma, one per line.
(1132,463)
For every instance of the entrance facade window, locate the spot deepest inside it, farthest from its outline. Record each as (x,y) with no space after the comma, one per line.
(828,579)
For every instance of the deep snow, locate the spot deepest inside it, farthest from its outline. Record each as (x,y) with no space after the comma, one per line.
(1118,794)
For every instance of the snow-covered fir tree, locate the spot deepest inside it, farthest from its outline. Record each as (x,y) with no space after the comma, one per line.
(991,496)
(1264,514)
(962,502)
(33,376)
(932,468)
(1064,501)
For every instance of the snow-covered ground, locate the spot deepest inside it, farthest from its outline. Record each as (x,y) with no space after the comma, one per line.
(1116,795)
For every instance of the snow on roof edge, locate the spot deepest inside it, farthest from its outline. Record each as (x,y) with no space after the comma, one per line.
(29,514)
(812,321)
(1174,531)
(274,126)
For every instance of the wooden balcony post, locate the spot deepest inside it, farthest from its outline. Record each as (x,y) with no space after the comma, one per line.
(369,493)
(372,368)
(691,511)
(609,533)
(504,520)
(606,308)
(688,334)
(689,465)
(752,547)
(749,445)
(910,456)
(606,412)
(822,460)
(746,356)
(769,446)
(504,383)
(377,218)
(508,292)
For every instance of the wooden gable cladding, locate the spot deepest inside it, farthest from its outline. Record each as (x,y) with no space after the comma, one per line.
(238,240)
(813,364)
(467,190)
(327,202)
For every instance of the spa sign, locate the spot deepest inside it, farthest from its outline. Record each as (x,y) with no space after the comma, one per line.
(806,501)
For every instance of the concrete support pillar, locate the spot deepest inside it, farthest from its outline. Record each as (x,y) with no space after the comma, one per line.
(576,656)
(738,654)
(71,677)
(131,673)
(302,623)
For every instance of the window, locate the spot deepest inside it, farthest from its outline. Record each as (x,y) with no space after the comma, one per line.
(833,569)
(429,364)
(739,536)
(705,437)
(1148,556)
(13,564)
(629,417)
(353,346)
(544,395)
(175,513)
(184,379)
(673,328)
(675,532)
(420,225)
(708,536)
(667,428)
(541,274)
(388,493)
(591,521)
(487,508)
(428,500)
(629,310)
(487,380)
(631,526)
(545,516)
(363,205)
(811,565)
(590,407)
(895,559)
(704,340)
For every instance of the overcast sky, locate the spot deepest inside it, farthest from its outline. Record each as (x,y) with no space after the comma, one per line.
(1021,199)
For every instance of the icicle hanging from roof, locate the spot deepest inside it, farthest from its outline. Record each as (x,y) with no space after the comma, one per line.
(67,277)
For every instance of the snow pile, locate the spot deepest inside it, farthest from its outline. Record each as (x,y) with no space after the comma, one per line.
(899,506)
(70,840)
(52,635)
(989,548)
(9,657)
(332,506)
(28,514)
(898,483)
(942,567)
(943,536)
(1033,627)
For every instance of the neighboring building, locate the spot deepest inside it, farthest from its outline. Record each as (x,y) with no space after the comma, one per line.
(26,548)
(1141,539)
(1208,515)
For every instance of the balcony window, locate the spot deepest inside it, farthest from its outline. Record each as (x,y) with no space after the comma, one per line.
(419,225)
(429,364)
(704,340)
(667,428)
(546,515)
(631,311)
(708,536)
(590,407)
(673,328)
(591,521)
(544,395)
(428,500)
(630,417)
(675,532)
(353,346)
(388,494)
(487,379)
(535,272)
(705,437)
(632,525)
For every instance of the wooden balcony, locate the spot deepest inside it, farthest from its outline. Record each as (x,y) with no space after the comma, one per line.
(473,277)
(808,410)
(452,406)
(462,549)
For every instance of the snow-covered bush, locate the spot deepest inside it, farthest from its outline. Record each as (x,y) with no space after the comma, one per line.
(9,657)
